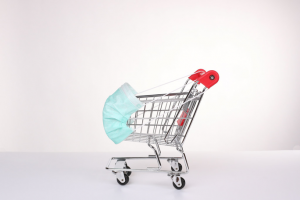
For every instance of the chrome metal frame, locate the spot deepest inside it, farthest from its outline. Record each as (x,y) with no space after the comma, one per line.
(161,130)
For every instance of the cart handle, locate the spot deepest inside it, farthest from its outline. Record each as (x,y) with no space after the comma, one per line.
(209,79)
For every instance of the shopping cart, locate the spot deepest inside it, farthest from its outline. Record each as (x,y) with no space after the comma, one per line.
(165,119)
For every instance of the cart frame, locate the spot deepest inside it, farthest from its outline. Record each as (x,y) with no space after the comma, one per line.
(174,137)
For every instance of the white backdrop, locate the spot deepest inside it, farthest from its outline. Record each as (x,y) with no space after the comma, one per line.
(60,60)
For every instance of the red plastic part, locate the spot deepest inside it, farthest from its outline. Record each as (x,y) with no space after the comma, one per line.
(209,78)
(197,75)
(180,122)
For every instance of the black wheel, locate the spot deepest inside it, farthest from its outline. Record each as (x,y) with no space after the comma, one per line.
(127,172)
(182,184)
(126,180)
(180,168)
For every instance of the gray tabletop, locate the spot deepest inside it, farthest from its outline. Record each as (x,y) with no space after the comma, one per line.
(213,175)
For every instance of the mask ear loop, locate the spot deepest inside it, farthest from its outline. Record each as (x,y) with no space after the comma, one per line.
(199,71)
(193,79)
(169,93)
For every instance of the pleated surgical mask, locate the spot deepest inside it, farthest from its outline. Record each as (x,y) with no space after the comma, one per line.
(117,110)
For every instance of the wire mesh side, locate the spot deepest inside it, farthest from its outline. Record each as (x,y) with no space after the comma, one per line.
(154,119)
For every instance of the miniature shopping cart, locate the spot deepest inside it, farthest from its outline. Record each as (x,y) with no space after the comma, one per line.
(165,119)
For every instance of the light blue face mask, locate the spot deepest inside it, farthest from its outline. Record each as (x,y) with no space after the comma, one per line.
(117,110)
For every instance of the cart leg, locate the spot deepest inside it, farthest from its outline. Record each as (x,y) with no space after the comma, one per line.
(120,174)
(156,154)
(180,149)
(175,165)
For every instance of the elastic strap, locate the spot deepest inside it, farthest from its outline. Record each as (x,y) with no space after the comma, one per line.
(167,82)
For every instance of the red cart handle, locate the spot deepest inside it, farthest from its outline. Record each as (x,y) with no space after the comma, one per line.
(209,79)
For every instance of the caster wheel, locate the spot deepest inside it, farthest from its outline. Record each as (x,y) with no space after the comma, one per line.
(180,168)
(126,180)
(127,172)
(182,184)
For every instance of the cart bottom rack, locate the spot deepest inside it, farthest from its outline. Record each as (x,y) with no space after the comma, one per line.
(123,171)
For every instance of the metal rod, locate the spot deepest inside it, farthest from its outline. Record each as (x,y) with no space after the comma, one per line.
(194,115)
(156,154)
(158,95)
(178,112)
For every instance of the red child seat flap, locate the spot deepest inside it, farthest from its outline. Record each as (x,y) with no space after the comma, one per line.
(180,121)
